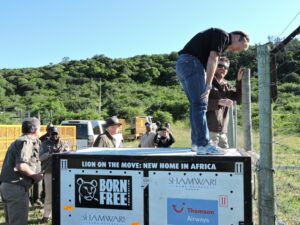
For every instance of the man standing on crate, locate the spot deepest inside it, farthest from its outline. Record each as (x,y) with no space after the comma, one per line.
(195,68)
(19,172)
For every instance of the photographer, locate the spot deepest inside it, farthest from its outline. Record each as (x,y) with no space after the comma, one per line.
(52,145)
(164,138)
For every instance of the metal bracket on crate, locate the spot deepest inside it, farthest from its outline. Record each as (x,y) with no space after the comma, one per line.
(245,223)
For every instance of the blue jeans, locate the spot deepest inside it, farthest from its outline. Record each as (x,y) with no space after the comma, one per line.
(191,74)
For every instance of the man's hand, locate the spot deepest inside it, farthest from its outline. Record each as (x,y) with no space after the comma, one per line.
(240,73)
(37,177)
(225,102)
(206,93)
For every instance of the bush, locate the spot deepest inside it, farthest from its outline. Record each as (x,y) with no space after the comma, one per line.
(163,117)
(292,78)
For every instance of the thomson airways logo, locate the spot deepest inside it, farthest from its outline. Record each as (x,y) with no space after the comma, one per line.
(178,209)
(192,211)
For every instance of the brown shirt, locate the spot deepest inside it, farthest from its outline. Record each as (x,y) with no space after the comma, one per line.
(217,115)
(23,150)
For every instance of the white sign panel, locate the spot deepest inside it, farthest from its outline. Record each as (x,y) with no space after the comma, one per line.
(90,197)
(192,198)
(151,190)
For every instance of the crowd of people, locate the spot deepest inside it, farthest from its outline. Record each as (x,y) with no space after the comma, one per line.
(200,68)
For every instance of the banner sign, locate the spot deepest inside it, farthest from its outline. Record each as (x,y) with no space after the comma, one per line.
(151,190)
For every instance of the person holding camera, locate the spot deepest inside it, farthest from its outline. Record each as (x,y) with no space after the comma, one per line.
(220,99)
(53,145)
(164,138)
(19,172)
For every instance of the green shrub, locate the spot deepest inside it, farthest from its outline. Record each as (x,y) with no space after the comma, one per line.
(163,117)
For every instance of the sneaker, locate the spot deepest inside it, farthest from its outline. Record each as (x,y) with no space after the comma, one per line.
(194,148)
(214,150)
(201,150)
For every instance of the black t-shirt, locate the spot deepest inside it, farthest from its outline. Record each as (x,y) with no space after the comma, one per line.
(203,43)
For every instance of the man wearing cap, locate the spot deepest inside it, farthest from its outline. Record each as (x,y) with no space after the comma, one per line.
(111,138)
(221,97)
(46,136)
(19,173)
(147,140)
(53,145)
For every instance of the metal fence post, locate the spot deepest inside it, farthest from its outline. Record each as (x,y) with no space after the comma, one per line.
(265,182)
(246,105)
(232,124)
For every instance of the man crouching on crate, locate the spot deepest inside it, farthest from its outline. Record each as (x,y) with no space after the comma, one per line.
(19,173)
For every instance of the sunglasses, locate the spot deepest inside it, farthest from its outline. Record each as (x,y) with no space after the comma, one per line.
(223,66)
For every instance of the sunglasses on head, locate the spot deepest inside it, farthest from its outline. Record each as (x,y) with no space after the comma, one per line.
(223,66)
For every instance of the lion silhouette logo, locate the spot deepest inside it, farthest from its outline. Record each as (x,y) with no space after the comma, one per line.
(87,190)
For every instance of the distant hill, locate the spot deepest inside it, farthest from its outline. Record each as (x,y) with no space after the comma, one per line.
(139,85)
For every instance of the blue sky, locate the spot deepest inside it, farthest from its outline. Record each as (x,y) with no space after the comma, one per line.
(38,32)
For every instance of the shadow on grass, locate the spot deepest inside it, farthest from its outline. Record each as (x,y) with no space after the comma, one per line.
(35,215)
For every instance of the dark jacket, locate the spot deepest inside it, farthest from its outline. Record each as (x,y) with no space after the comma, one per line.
(163,142)
(218,116)
(48,148)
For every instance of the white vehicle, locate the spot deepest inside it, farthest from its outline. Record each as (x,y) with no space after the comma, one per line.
(86,131)
(98,126)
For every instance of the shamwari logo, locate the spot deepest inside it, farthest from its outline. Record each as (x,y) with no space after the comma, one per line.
(192,181)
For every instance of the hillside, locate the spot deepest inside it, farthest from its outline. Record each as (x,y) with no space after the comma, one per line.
(144,84)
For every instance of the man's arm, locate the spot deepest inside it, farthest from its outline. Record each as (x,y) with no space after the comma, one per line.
(25,169)
(211,67)
(44,152)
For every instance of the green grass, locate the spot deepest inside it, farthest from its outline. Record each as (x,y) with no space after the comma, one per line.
(287,183)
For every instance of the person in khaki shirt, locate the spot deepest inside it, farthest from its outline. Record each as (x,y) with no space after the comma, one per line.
(19,172)
(147,140)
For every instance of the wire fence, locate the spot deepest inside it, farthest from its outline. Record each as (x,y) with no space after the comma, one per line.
(286,141)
